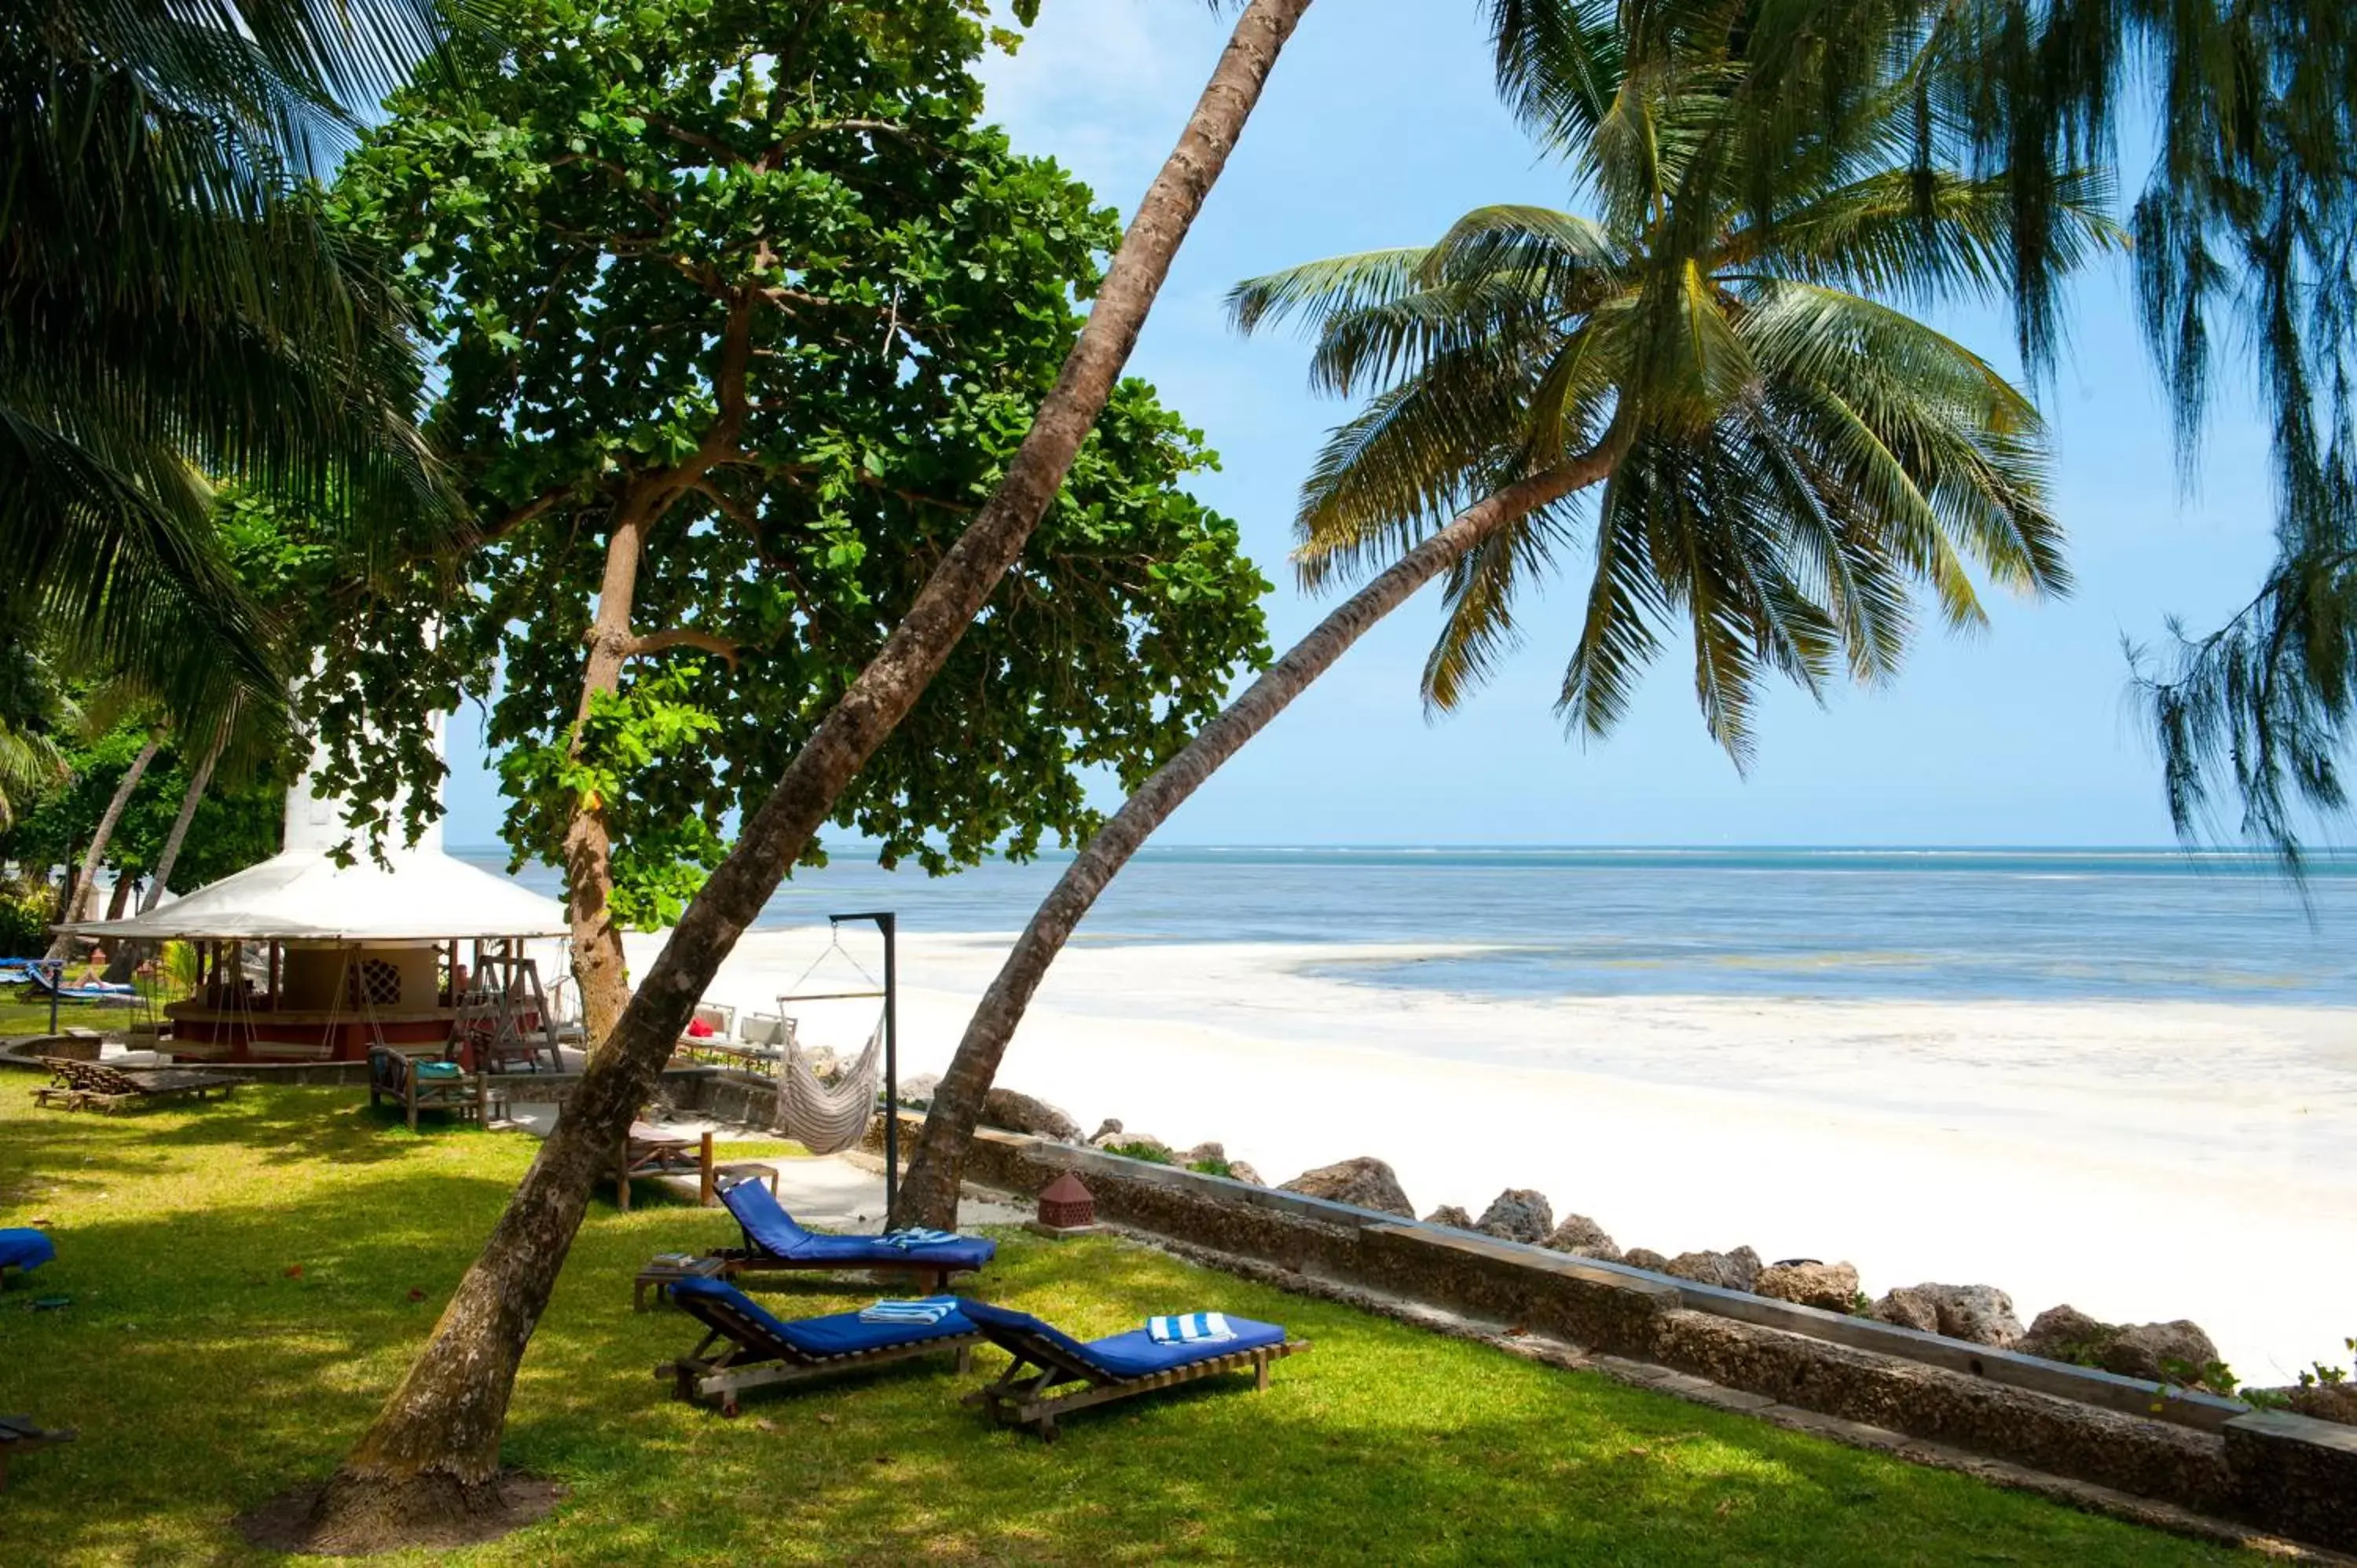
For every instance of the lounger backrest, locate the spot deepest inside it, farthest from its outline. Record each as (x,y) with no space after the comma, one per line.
(766,1222)
(729,1312)
(1040,1343)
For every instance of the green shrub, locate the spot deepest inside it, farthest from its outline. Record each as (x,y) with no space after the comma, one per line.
(26,907)
(1213,1167)
(1151,1154)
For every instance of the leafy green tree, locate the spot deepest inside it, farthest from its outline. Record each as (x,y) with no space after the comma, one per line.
(734,347)
(434,1449)
(173,305)
(1707,385)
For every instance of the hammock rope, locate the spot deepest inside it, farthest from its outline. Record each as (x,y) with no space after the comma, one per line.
(823,1119)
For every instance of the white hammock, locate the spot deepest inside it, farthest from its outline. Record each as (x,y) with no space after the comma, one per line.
(828,1121)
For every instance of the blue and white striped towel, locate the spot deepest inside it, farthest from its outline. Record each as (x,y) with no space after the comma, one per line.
(917,1237)
(928,1311)
(1190,1328)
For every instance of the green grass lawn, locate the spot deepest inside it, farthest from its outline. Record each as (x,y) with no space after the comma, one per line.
(247,1279)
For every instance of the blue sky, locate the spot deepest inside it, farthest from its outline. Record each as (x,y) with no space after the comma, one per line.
(1380,128)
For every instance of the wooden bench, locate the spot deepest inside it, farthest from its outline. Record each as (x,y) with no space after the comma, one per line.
(393,1075)
(79,1085)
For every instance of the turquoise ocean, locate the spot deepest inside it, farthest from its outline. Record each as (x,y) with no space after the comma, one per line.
(1953,924)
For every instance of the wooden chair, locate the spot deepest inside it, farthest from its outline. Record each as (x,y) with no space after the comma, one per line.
(1115,1367)
(393,1075)
(761,1349)
(80,1086)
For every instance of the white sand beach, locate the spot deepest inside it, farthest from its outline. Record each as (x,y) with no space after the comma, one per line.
(2141,1161)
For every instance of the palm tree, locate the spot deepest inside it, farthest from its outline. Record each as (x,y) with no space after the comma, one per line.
(2244,227)
(1706,383)
(173,305)
(433,1452)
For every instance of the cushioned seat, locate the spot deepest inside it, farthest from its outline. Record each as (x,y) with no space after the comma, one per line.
(772,1239)
(1135,1353)
(762,1347)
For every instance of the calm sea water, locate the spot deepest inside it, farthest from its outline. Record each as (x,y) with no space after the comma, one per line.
(2022,924)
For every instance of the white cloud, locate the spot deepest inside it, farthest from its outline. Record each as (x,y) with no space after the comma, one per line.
(1103,86)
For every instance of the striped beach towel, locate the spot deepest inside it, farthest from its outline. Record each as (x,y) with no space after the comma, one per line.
(1190,1328)
(927,1312)
(919,1237)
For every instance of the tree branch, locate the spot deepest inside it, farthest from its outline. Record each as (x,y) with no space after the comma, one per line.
(682,637)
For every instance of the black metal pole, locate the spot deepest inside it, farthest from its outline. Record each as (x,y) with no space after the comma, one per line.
(889,924)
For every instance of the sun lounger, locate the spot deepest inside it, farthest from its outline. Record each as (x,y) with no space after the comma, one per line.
(79,1085)
(1046,1359)
(759,1349)
(772,1241)
(97,990)
(24,1250)
(19,1435)
(416,1085)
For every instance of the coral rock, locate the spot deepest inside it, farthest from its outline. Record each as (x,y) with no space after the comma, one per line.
(1365,1182)
(1450,1214)
(1977,1314)
(1020,1114)
(1738,1270)
(1517,1214)
(1582,1237)
(1828,1285)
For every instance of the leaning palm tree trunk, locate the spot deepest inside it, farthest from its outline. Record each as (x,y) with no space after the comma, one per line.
(433,1452)
(929,1195)
(130,955)
(95,856)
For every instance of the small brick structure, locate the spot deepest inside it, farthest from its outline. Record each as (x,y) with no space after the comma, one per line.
(1066,1208)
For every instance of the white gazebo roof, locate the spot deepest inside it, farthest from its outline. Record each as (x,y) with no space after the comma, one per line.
(301,895)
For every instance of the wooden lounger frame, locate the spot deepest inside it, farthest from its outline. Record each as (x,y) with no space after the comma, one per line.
(701,1376)
(80,1086)
(1023,1394)
(737,1261)
(16,1440)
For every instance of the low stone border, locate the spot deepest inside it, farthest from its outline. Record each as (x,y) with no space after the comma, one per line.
(2190,1450)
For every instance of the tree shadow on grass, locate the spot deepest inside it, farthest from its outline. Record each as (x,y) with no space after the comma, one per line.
(208,1374)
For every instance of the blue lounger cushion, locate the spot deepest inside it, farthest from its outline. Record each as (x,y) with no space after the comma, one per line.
(836,1334)
(25,1249)
(1121,1355)
(768,1227)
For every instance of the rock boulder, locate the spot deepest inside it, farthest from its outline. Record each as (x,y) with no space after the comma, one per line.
(2177,1352)
(1004,1108)
(1239,1170)
(2157,1352)
(917,1092)
(1205,1151)
(1517,1214)
(1450,1214)
(1107,1130)
(1365,1182)
(1646,1258)
(1582,1237)
(1831,1287)
(1977,1314)
(1738,1270)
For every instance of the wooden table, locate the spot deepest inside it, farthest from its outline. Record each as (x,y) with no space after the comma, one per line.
(663,1272)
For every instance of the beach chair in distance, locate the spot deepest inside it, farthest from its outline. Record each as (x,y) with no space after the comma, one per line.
(773,1241)
(760,1349)
(79,1085)
(19,1435)
(1118,1367)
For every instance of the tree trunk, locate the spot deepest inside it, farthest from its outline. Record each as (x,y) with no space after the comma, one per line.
(597,960)
(120,898)
(129,955)
(434,1449)
(95,856)
(929,1194)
